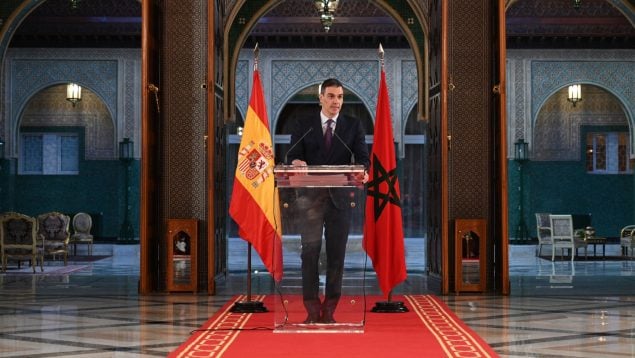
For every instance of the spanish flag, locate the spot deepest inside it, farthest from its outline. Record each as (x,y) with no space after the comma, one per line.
(254,201)
(383,232)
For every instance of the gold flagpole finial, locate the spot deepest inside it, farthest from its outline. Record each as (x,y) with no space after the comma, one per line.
(256,54)
(381,55)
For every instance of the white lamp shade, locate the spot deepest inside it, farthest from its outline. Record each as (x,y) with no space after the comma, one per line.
(74,92)
(575,93)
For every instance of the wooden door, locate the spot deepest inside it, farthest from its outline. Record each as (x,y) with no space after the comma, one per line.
(150,110)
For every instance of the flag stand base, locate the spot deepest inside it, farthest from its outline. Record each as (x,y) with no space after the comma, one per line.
(248,307)
(389,307)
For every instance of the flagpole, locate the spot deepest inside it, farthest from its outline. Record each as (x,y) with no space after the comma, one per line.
(388,306)
(250,306)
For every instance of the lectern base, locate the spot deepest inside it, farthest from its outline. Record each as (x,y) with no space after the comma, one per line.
(248,307)
(389,307)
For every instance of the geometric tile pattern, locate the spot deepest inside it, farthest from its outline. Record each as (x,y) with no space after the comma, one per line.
(287,77)
(283,78)
(469,113)
(243,84)
(535,76)
(27,78)
(102,71)
(409,88)
(548,76)
(49,108)
(183,107)
(557,137)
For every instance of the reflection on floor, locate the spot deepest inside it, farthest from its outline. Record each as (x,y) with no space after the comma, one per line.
(561,309)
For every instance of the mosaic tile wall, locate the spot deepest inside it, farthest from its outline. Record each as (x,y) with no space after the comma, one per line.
(286,72)
(112,74)
(533,77)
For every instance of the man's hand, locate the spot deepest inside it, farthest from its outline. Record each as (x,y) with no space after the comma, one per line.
(365,180)
(298,163)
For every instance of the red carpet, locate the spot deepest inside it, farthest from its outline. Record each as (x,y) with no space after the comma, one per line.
(430,329)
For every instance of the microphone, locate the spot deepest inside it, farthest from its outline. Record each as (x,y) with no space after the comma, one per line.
(346,146)
(296,143)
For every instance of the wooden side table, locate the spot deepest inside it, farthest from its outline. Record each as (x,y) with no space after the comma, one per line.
(597,241)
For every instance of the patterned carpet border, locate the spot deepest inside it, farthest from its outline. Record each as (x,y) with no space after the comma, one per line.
(453,337)
(227,326)
(450,332)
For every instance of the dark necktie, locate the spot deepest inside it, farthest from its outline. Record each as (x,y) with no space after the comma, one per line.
(328,135)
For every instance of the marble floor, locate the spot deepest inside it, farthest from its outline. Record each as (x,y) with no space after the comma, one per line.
(92,309)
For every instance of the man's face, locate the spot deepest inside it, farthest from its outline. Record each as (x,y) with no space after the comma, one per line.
(332,100)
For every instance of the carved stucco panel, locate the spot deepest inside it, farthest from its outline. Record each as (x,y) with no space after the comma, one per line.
(535,77)
(557,131)
(101,71)
(282,78)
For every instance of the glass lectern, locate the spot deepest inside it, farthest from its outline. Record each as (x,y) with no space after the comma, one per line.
(297,187)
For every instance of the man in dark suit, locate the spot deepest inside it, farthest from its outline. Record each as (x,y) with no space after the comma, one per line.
(327,138)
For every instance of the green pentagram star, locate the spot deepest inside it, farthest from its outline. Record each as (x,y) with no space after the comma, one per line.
(380,175)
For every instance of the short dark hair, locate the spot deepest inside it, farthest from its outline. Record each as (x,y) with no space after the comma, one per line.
(330,82)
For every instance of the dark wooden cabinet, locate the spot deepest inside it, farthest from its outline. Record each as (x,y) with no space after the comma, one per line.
(470,255)
(182,239)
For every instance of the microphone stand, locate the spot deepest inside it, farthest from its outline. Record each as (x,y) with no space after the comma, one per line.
(345,146)
(248,306)
(296,143)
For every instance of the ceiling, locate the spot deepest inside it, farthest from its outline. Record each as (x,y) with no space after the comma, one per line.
(92,23)
(358,24)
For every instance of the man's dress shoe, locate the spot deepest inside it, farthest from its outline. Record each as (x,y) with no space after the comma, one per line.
(327,317)
(311,319)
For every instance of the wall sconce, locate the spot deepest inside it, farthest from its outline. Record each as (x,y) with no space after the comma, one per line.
(520,150)
(576,4)
(126,150)
(1,148)
(575,94)
(73,93)
(326,9)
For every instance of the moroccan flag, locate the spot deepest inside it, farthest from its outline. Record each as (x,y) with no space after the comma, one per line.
(383,232)
(254,201)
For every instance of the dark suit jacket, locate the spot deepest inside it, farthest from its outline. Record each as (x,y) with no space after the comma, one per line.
(349,132)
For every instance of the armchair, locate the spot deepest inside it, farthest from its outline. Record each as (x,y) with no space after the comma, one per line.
(627,239)
(543,231)
(53,234)
(563,238)
(18,239)
(82,223)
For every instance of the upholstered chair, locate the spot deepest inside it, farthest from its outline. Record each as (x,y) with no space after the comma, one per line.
(82,223)
(54,234)
(543,231)
(627,240)
(563,237)
(18,240)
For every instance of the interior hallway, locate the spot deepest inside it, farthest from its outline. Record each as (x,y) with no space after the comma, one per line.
(96,311)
